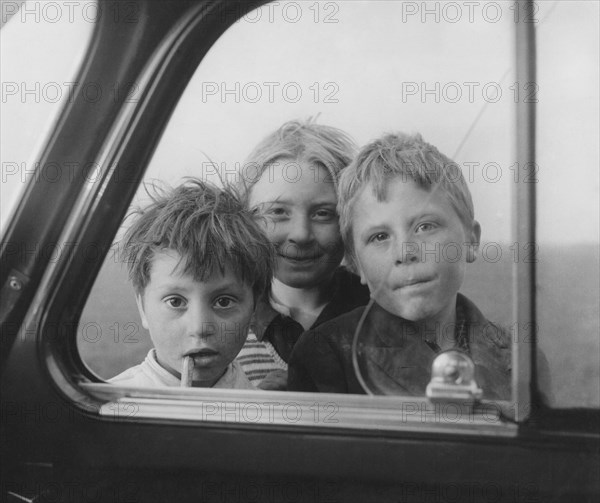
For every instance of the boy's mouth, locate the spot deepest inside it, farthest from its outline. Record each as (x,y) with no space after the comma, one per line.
(414,282)
(202,355)
(295,254)
(300,259)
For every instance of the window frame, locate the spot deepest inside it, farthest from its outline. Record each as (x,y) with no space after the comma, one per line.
(523,224)
(101,205)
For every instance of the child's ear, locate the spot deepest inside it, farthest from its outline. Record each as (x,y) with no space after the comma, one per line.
(474,239)
(140,305)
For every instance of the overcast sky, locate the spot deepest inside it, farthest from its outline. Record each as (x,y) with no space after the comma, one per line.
(366,67)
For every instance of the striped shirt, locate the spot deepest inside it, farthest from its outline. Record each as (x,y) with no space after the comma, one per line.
(259,358)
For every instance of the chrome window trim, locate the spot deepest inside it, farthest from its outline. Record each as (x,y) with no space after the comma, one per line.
(309,411)
(523,223)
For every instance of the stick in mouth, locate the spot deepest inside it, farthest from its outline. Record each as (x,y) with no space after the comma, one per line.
(187,372)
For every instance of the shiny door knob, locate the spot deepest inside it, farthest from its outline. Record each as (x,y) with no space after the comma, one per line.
(453,378)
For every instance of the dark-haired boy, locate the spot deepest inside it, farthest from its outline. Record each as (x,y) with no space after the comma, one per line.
(198,262)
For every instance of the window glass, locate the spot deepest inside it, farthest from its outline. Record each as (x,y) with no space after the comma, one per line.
(41,45)
(443,70)
(568,214)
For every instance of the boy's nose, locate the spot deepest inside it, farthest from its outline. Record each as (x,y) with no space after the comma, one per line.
(201,322)
(300,230)
(406,251)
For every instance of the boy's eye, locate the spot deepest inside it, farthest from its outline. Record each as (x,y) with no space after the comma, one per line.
(324,215)
(268,209)
(224,302)
(276,212)
(425,227)
(379,237)
(176,302)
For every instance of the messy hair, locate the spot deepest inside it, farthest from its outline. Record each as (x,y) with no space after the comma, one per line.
(406,156)
(299,141)
(207,226)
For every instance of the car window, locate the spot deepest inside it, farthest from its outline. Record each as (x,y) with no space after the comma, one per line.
(568,295)
(42,46)
(447,74)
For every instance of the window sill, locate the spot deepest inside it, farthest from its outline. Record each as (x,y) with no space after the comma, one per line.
(305,410)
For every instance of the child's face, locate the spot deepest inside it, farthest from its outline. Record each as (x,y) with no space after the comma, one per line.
(411,250)
(297,201)
(207,319)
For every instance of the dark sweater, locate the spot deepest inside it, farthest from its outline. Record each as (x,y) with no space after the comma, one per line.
(395,356)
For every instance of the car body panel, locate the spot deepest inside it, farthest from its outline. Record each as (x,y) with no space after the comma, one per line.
(53,437)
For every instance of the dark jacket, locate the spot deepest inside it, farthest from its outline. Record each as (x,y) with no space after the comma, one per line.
(394,356)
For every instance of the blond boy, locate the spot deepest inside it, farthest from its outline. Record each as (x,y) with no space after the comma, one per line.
(408,224)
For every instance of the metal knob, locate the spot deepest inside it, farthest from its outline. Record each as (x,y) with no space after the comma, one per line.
(453,378)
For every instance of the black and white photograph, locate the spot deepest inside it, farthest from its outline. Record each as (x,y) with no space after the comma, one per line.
(300,251)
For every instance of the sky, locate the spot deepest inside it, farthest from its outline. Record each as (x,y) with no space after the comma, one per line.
(365,67)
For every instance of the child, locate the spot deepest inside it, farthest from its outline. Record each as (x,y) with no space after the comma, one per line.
(290,182)
(407,219)
(198,262)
